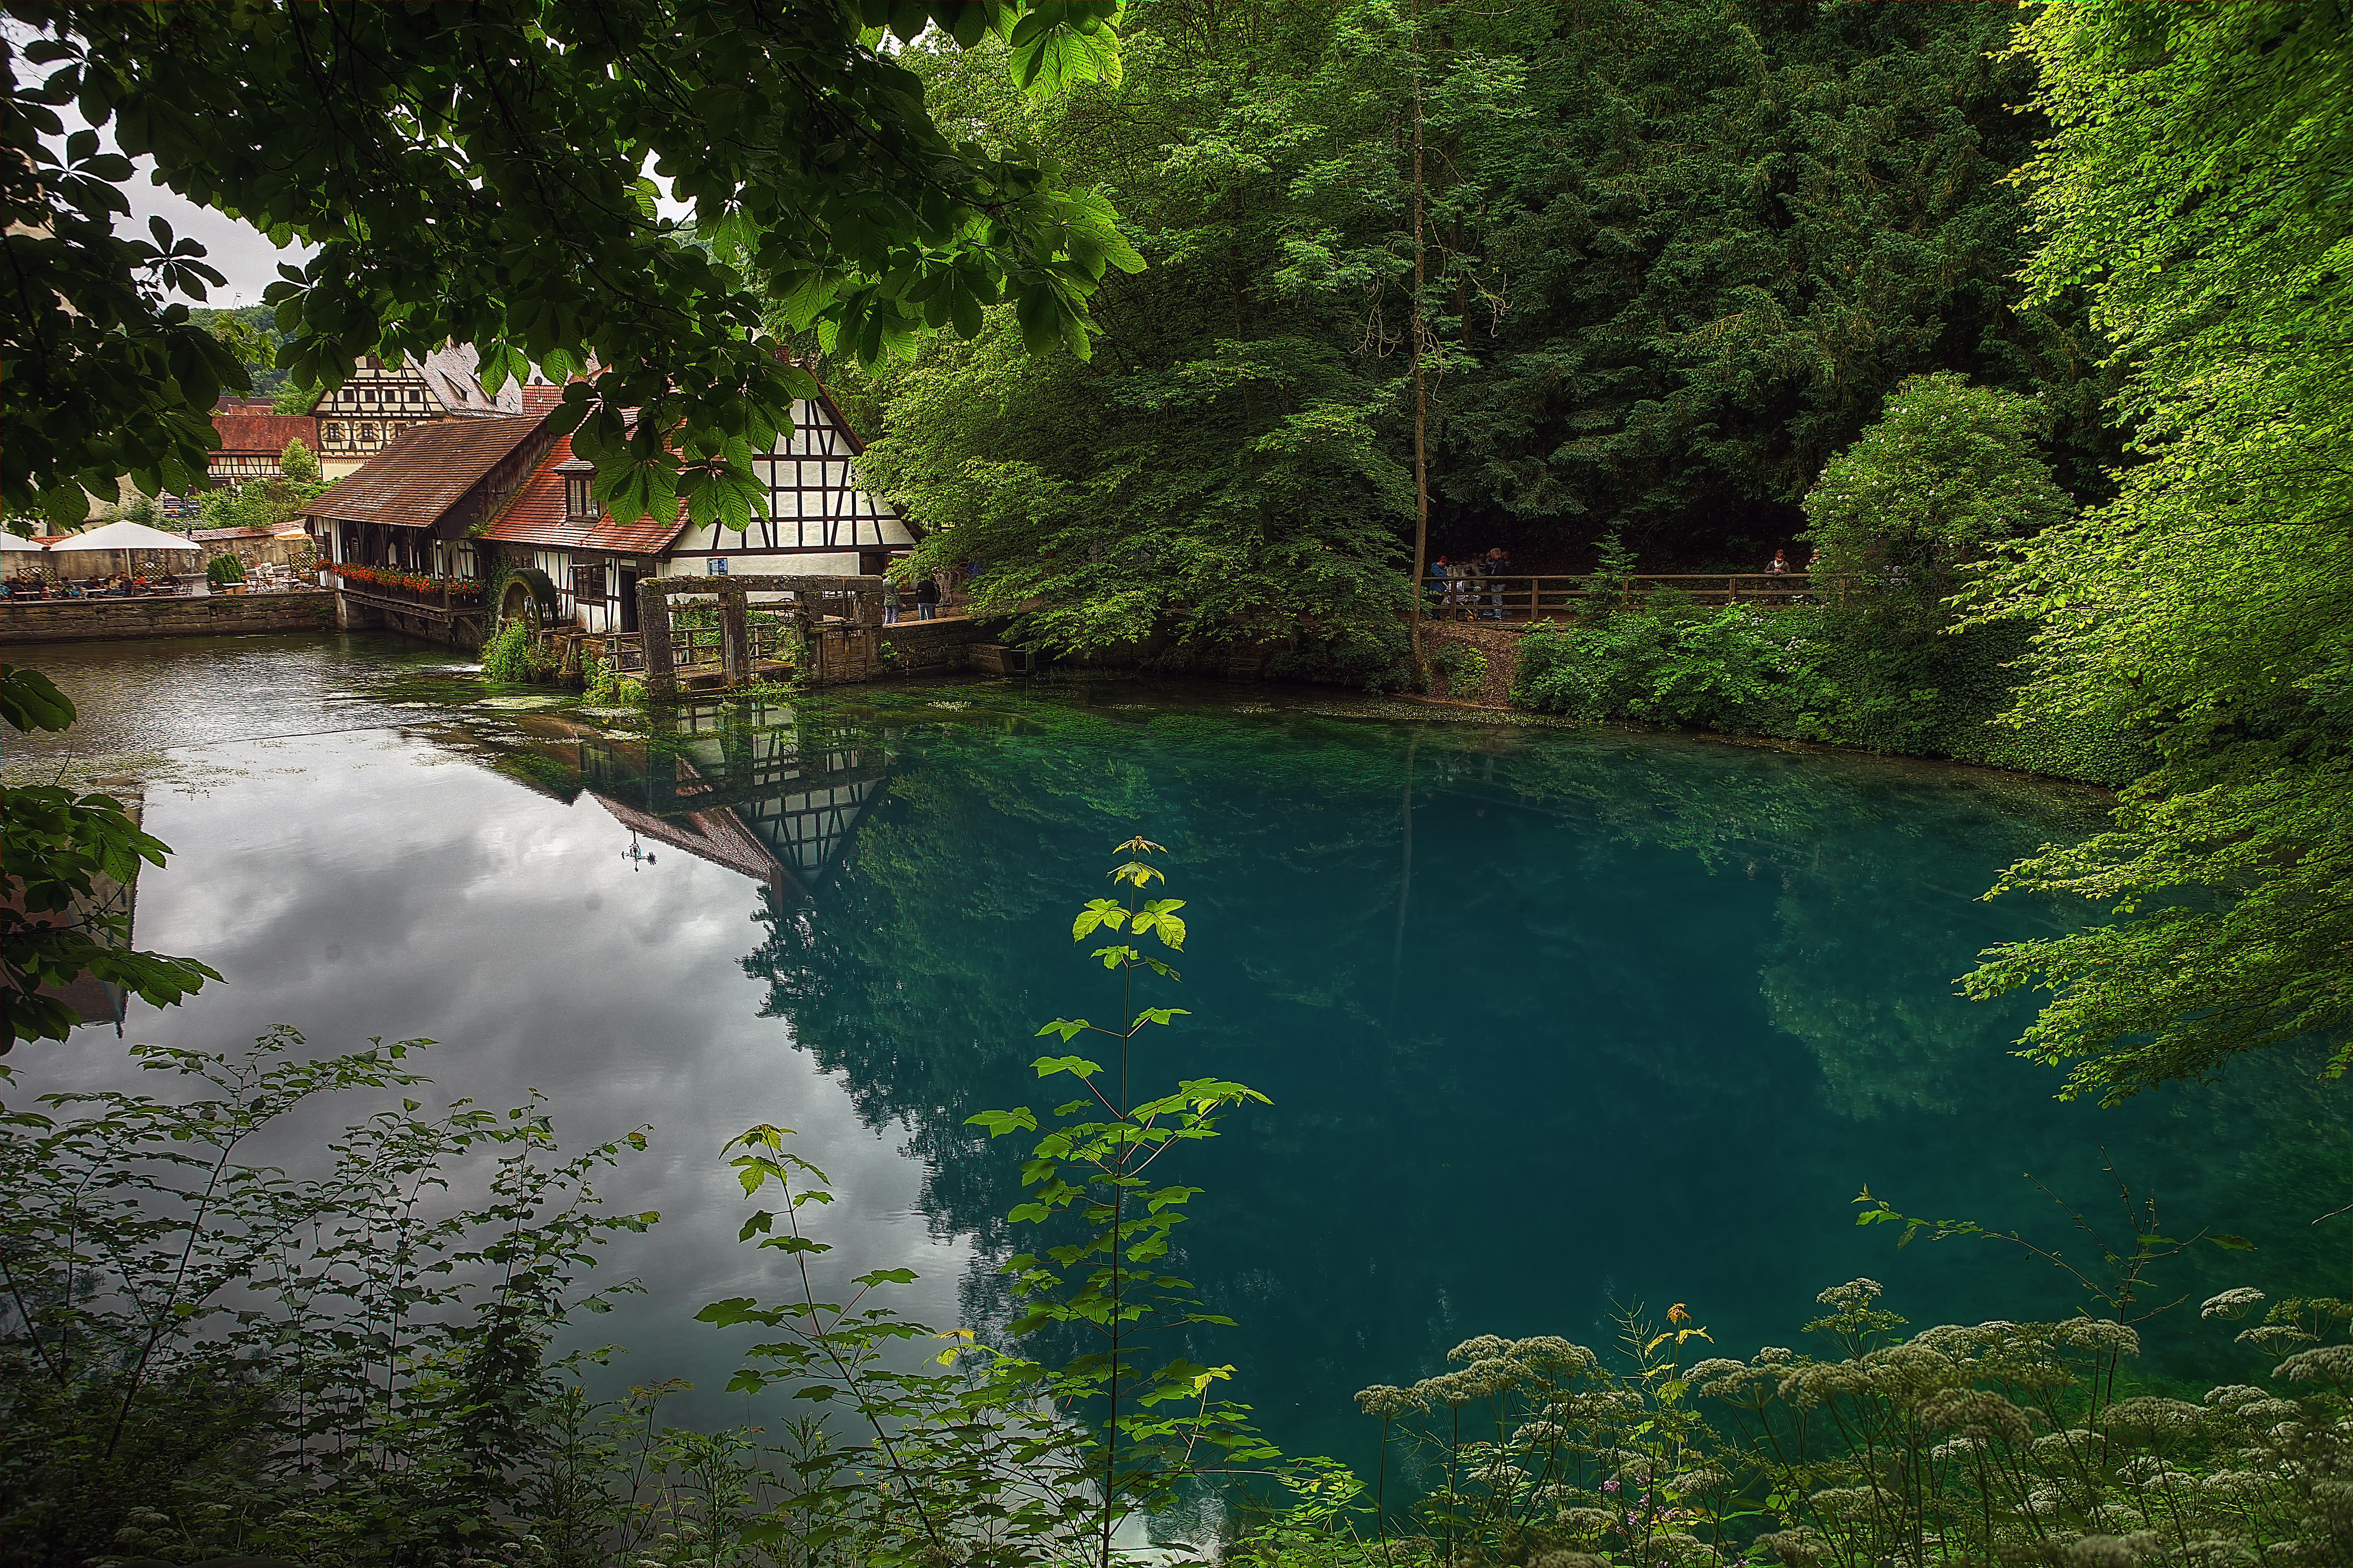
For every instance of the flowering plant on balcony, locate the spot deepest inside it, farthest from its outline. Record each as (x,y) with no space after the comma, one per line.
(390,578)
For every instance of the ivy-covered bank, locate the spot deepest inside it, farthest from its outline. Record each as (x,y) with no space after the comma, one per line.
(1800,672)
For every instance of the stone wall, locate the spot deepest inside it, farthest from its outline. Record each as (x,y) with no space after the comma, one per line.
(926,647)
(208,615)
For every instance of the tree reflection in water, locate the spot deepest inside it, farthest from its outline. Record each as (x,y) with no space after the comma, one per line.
(1655,1009)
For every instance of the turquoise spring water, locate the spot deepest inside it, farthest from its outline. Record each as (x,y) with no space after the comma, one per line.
(1553,1021)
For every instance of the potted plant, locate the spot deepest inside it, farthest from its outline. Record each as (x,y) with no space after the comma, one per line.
(226,573)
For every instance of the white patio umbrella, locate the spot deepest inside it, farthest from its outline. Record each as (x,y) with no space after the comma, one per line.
(10,542)
(126,537)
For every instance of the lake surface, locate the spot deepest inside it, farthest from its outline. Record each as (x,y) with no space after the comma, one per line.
(1553,1021)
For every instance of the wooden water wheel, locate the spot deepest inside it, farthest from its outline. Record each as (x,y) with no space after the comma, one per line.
(529,594)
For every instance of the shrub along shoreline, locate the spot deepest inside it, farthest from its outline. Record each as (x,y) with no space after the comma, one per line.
(1799,672)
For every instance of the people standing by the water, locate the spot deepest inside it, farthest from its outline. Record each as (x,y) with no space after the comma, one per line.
(889,602)
(1779,565)
(1497,567)
(927,599)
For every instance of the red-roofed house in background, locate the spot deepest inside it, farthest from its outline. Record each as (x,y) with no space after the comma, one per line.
(251,444)
(450,497)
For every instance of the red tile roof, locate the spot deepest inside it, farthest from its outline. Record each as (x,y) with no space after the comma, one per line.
(541,399)
(535,516)
(264,434)
(426,469)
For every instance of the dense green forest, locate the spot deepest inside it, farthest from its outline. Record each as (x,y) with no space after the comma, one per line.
(1677,257)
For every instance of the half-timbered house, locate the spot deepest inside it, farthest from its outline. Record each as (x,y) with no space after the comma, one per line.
(362,416)
(819,522)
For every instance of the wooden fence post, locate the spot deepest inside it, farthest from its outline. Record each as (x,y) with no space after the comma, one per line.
(735,636)
(653,639)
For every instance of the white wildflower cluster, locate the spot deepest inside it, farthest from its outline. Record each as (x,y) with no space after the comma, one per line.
(1956,1450)
(2233,1397)
(1541,1433)
(2329,1363)
(1598,1405)
(2153,1470)
(2113,1550)
(1801,1548)
(1699,1482)
(1480,1349)
(2277,1338)
(1854,1293)
(2152,1414)
(2075,1443)
(1720,1377)
(2103,1335)
(1975,1412)
(2231,1304)
(1819,1383)
(1585,1523)
(2236,1486)
(2041,1503)
(1551,1354)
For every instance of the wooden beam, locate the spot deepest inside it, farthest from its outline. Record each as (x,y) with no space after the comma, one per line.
(653,633)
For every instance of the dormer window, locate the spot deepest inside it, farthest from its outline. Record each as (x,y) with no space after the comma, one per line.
(578,477)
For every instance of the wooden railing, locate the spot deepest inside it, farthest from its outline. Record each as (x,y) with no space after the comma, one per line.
(1509,597)
(462,595)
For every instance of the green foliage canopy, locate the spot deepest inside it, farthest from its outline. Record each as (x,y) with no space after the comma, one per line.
(1946,471)
(1727,233)
(2194,188)
(488,174)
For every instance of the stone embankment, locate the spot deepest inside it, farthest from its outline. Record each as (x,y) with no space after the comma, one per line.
(926,647)
(200,615)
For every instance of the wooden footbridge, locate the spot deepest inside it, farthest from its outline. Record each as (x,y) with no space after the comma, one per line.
(827,630)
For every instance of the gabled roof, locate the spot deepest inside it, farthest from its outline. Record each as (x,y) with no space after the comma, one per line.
(535,516)
(265,433)
(426,469)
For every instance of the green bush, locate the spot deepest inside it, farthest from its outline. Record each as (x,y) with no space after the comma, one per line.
(1846,676)
(222,570)
(506,657)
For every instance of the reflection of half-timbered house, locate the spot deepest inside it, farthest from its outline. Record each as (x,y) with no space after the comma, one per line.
(819,522)
(770,804)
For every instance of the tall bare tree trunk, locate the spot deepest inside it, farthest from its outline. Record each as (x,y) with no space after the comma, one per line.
(1420,384)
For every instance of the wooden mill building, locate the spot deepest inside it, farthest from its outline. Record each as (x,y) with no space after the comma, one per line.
(447,497)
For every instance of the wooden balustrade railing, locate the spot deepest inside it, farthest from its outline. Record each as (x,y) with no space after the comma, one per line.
(1517,597)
